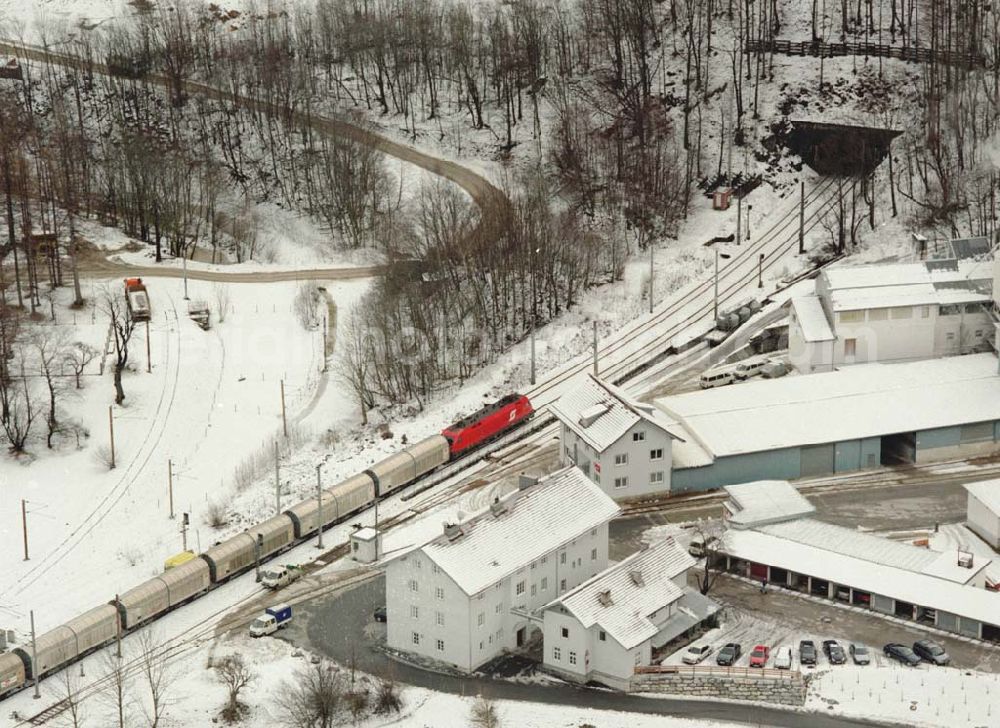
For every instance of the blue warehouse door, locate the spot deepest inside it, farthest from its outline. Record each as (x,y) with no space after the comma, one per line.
(816,460)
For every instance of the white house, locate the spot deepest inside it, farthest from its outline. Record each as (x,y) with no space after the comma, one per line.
(465,596)
(621,444)
(983,514)
(601,630)
(892,312)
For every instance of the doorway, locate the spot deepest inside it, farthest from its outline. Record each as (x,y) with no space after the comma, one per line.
(899,449)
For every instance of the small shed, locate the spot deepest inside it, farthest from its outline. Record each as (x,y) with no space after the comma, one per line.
(983,511)
(721,198)
(366,545)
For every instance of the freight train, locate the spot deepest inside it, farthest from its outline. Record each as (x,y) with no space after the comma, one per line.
(99,626)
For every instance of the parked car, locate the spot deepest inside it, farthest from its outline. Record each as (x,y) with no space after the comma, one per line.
(783,658)
(380,615)
(860,654)
(759,656)
(729,654)
(834,652)
(750,367)
(774,369)
(273,619)
(807,652)
(696,653)
(701,545)
(931,651)
(901,653)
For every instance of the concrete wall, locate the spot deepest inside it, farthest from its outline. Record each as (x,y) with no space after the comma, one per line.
(601,467)
(984,522)
(790,690)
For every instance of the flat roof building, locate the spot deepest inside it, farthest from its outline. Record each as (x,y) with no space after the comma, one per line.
(983,512)
(820,424)
(943,589)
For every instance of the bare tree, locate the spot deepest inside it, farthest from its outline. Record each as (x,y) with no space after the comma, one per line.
(314,698)
(78,355)
(235,675)
(221,293)
(68,691)
(21,414)
(50,350)
(156,674)
(115,693)
(484,713)
(710,534)
(353,363)
(115,307)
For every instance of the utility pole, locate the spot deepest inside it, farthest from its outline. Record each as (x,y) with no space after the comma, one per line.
(651,277)
(760,271)
(170,485)
(595,348)
(324,343)
(149,361)
(284,418)
(277,480)
(258,547)
(802,219)
(111,428)
(319,511)
(184,258)
(118,628)
(749,210)
(715,298)
(184,531)
(34,656)
(24,525)
(739,219)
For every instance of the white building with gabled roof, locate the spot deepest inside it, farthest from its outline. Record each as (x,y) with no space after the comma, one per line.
(892,312)
(466,594)
(983,511)
(601,630)
(623,445)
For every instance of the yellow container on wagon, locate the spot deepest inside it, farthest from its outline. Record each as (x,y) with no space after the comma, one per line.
(177,559)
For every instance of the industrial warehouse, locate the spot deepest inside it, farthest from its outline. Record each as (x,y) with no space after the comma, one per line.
(833,422)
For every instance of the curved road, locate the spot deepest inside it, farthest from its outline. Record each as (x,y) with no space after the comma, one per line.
(339,625)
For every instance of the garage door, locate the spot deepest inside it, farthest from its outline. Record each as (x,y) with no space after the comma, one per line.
(817,460)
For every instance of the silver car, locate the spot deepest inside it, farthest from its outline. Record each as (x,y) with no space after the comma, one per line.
(696,653)
(860,655)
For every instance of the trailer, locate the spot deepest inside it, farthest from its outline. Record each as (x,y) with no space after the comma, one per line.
(137,299)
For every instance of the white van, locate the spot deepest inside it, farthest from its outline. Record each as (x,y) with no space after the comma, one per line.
(718,377)
(750,367)
(783,658)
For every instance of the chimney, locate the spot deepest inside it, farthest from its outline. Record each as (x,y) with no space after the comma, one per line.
(965,559)
(452,531)
(604,598)
(525,481)
(498,507)
(636,576)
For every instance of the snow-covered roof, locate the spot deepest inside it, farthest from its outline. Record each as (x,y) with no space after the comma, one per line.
(819,560)
(621,598)
(600,413)
(867,400)
(365,533)
(765,501)
(988,493)
(526,524)
(878,550)
(940,282)
(812,319)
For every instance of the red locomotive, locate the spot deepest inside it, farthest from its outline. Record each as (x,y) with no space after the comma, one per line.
(488,423)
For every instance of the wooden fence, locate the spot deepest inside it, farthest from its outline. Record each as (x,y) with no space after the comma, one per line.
(830,50)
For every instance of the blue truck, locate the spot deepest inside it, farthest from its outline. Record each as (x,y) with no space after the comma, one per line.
(273,619)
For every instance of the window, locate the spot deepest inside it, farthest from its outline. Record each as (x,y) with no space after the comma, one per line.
(878,314)
(593,554)
(949,310)
(416,638)
(556,653)
(545,560)
(925,312)
(497,586)
(572,658)
(562,585)
(901,312)
(593,532)
(979,333)
(621,482)
(499,607)
(602,637)
(851,317)
(534,589)
(850,347)
(480,646)
(439,592)
(481,619)
(545,583)
(621,459)
(439,619)
(638,658)
(562,558)
(565,632)
(534,564)
(656,454)
(520,588)
(972,308)
(436,569)
(597,477)
(638,436)
(950,336)
(440,645)
(413,585)
(419,563)
(415,611)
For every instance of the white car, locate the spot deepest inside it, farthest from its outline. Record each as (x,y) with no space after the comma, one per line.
(783,658)
(696,653)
